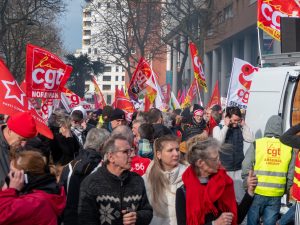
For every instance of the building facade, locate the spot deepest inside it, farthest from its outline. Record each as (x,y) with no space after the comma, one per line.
(113,75)
(233,34)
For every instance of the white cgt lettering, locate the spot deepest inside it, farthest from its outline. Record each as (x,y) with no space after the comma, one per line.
(52,77)
(271,15)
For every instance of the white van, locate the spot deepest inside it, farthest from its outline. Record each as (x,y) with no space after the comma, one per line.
(274,91)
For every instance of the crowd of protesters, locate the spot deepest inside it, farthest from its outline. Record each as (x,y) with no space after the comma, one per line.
(189,167)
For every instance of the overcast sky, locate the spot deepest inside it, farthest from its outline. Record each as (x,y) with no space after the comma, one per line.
(71,25)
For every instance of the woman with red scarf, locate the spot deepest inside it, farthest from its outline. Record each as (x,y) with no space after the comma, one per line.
(207,195)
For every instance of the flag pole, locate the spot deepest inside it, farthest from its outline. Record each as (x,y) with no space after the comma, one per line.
(198,90)
(259,48)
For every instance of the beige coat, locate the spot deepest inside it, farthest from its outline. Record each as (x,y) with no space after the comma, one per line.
(175,178)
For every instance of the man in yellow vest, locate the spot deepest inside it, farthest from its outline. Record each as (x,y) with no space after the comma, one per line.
(273,164)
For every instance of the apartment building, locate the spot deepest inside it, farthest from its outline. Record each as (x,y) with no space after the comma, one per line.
(114,74)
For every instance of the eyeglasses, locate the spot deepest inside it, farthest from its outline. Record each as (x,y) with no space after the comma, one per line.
(215,160)
(126,151)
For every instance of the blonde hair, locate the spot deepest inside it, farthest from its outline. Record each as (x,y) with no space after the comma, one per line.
(31,162)
(158,181)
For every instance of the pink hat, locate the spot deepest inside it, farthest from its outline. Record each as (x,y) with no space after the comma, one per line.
(23,124)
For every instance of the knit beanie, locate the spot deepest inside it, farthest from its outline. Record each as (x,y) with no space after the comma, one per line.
(117,114)
(23,124)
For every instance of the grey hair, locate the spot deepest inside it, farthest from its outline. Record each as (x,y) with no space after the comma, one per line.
(110,146)
(124,131)
(202,150)
(96,138)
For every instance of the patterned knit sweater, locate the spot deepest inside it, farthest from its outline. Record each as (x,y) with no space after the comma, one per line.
(103,196)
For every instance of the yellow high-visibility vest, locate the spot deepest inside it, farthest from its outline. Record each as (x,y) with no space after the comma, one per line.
(272,159)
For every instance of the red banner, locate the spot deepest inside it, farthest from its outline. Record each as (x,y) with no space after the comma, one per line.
(124,103)
(198,68)
(70,100)
(215,97)
(269,13)
(98,96)
(13,99)
(142,81)
(46,74)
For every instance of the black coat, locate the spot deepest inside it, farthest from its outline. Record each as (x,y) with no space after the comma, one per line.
(82,166)
(192,129)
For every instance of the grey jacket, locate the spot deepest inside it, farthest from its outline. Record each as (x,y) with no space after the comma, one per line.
(4,157)
(273,130)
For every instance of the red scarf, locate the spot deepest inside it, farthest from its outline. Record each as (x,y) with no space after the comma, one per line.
(200,198)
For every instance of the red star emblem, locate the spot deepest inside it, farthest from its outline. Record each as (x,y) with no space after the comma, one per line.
(13,91)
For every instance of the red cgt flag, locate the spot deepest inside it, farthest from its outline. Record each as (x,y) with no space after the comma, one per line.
(269,13)
(13,99)
(198,68)
(215,97)
(142,81)
(46,74)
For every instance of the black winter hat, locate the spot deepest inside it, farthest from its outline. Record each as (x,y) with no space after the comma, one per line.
(197,107)
(117,114)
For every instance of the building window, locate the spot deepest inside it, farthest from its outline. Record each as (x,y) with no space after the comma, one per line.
(117,68)
(123,69)
(89,51)
(95,51)
(87,23)
(106,78)
(99,5)
(123,78)
(220,18)
(87,32)
(118,6)
(117,78)
(108,99)
(87,42)
(107,68)
(106,88)
(108,5)
(228,12)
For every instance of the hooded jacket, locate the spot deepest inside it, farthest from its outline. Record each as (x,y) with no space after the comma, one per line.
(273,130)
(39,203)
